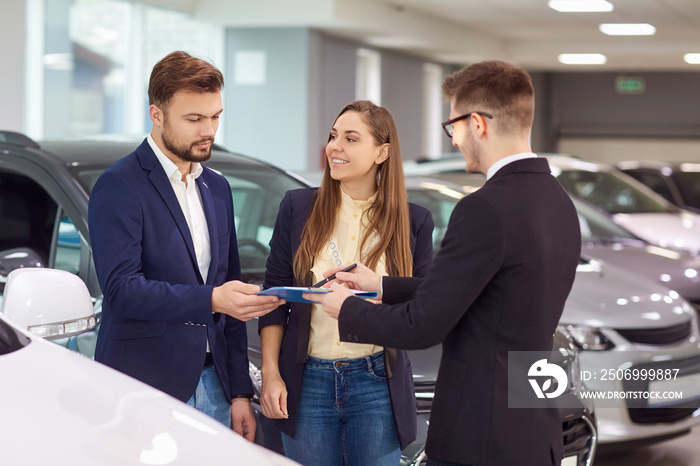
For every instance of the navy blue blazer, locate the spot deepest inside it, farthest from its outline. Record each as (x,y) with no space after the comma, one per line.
(499,283)
(296,317)
(156,312)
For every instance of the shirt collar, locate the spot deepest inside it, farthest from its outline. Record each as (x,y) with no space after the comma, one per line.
(347,201)
(169,166)
(506,160)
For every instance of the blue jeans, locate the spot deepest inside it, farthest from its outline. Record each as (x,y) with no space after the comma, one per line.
(345,415)
(209,397)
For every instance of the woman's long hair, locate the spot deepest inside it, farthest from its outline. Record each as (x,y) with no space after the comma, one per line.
(387,217)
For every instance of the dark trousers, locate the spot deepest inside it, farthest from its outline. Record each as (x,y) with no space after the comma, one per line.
(434,462)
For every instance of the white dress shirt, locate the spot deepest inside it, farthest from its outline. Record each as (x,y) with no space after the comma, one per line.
(190,201)
(506,160)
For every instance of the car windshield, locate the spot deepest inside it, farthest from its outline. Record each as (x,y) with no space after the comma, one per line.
(440,202)
(688,180)
(10,339)
(257,191)
(597,227)
(610,192)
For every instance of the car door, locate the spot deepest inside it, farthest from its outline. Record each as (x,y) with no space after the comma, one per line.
(43,224)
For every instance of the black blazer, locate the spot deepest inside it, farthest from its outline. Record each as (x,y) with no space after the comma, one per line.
(296,317)
(498,284)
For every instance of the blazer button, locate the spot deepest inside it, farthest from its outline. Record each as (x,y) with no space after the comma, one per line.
(350,337)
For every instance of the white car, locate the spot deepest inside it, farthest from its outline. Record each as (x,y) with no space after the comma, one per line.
(59,407)
(631,204)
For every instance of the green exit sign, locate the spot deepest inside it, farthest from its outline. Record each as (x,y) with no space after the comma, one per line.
(629,85)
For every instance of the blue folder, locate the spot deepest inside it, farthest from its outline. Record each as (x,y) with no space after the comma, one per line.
(292,294)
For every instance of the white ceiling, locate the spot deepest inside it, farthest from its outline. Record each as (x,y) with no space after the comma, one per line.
(526,32)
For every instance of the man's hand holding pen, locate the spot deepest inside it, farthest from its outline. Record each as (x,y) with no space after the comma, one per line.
(358,278)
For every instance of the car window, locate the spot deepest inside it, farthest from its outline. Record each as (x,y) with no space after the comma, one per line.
(609,192)
(655,181)
(257,194)
(67,246)
(689,185)
(596,226)
(439,205)
(27,215)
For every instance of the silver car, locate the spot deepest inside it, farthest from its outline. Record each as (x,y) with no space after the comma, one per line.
(605,240)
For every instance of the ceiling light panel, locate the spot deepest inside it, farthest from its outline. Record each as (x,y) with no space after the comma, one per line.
(582,58)
(692,58)
(627,29)
(580,6)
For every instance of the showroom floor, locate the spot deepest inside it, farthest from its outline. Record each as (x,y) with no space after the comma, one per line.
(682,451)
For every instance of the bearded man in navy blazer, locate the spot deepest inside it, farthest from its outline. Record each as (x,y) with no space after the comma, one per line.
(164,244)
(498,284)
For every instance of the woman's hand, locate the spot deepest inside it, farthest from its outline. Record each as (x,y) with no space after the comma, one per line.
(273,397)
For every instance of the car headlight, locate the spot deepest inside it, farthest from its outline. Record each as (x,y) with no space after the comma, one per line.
(569,351)
(589,338)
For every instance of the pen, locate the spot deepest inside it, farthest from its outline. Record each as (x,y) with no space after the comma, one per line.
(332,277)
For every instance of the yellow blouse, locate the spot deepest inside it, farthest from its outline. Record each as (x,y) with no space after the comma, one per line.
(344,248)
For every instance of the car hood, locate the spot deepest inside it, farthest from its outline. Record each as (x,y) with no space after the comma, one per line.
(604,295)
(668,230)
(83,412)
(676,270)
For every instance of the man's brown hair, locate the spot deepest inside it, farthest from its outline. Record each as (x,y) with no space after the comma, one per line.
(495,87)
(180,71)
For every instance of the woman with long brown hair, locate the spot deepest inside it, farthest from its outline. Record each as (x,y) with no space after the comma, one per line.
(336,402)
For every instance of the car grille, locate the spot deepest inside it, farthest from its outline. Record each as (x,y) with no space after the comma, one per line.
(657,336)
(578,439)
(654,415)
(637,409)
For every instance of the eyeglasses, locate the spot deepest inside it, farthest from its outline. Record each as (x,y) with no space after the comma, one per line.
(448,125)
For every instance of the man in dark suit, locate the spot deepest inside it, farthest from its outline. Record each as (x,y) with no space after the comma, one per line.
(164,245)
(498,284)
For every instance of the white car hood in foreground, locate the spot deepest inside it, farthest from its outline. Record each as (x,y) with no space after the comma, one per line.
(59,407)
(668,230)
(604,295)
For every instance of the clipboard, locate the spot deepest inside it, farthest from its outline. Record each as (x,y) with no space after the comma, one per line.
(292,294)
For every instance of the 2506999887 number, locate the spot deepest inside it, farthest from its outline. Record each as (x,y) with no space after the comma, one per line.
(638,374)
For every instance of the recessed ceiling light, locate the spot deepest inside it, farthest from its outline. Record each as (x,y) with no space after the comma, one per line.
(692,58)
(582,58)
(627,29)
(580,6)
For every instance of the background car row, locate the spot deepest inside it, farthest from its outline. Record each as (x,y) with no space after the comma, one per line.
(44,191)
(610,314)
(621,311)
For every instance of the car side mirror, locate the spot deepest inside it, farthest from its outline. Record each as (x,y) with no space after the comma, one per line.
(49,303)
(17,258)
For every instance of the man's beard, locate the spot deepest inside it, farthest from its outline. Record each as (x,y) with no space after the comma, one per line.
(184,152)
(472,154)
